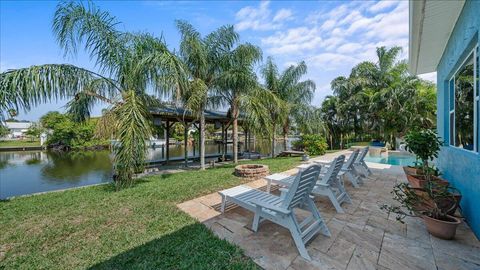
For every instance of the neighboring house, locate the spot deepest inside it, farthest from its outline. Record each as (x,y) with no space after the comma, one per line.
(17,129)
(444,37)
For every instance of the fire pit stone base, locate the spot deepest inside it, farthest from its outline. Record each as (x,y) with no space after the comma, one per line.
(251,171)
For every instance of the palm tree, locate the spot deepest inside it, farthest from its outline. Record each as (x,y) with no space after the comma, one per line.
(379,98)
(203,59)
(239,87)
(288,88)
(128,65)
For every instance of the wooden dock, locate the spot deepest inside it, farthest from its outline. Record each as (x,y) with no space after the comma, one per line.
(291,153)
(158,162)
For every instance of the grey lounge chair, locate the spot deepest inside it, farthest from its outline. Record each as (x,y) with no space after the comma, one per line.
(360,162)
(348,169)
(332,186)
(329,185)
(280,209)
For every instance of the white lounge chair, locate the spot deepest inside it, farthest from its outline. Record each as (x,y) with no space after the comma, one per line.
(332,186)
(329,185)
(280,209)
(360,162)
(348,169)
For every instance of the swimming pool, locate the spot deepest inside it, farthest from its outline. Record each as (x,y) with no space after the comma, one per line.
(392,158)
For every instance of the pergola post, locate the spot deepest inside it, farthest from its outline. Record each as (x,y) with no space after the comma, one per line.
(167,141)
(245,135)
(249,140)
(225,145)
(200,139)
(223,141)
(185,139)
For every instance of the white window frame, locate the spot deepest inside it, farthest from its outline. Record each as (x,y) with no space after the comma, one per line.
(451,126)
(476,98)
(476,149)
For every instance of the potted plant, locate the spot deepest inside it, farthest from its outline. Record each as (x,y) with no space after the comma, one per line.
(433,203)
(425,144)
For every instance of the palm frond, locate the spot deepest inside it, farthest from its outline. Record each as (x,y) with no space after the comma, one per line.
(74,24)
(27,87)
(133,129)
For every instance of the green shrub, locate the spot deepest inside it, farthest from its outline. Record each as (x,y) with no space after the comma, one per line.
(312,144)
(65,131)
(425,144)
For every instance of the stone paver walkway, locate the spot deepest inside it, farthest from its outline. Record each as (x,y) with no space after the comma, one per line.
(364,237)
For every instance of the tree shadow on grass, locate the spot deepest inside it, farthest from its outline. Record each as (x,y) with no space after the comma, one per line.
(191,247)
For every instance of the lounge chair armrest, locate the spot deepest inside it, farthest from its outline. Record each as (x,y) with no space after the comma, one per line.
(321,184)
(284,192)
(322,162)
(270,207)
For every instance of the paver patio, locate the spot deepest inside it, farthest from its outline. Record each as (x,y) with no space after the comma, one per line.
(364,237)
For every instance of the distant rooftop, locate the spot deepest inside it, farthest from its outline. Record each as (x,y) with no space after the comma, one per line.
(18,125)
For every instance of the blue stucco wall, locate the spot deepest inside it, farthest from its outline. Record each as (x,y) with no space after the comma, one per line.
(460,167)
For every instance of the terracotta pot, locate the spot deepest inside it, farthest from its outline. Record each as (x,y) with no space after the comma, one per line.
(410,170)
(440,228)
(418,181)
(445,204)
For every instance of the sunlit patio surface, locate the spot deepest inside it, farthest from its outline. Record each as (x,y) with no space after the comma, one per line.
(365,237)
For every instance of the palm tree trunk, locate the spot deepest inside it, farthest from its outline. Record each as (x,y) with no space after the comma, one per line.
(235,131)
(273,140)
(331,142)
(202,141)
(285,136)
(341,141)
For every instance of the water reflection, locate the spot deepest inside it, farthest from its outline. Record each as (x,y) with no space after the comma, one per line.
(74,165)
(38,171)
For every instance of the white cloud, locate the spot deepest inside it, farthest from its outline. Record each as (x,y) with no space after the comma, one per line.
(328,25)
(381,5)
(282,15)
(332,61)
(292,41)
(259,18)
(392,25)
(349,48)
(333,41)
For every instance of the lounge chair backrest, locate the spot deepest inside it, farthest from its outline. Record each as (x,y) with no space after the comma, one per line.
(351,159)
(333,170)
(302,186)
(362,154)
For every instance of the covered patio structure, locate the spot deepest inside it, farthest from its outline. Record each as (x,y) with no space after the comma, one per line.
(169,115)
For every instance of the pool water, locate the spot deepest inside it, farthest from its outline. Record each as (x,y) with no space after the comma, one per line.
(392,158)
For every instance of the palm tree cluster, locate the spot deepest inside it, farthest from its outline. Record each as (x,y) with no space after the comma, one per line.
(135,69)
(376,101)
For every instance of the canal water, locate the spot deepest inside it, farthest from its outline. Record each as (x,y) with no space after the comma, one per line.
(27,172)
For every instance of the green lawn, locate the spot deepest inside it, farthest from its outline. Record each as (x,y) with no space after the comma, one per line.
(19,143)
(136,228)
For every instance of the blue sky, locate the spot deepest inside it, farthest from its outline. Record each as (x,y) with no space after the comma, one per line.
(331,36)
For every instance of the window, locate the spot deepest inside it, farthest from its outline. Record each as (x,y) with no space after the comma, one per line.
(451,90)
(477,95)
(464,104)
